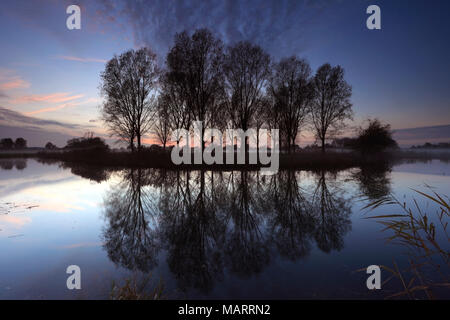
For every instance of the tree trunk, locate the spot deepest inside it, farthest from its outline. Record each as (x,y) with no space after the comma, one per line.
(257,145)
(323,145)
(139,141)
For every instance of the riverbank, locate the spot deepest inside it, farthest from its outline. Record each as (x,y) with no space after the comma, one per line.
(306,160)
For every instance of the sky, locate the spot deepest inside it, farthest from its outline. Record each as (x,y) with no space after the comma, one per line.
(50,75)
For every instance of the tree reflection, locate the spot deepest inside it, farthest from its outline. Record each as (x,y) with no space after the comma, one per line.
(192,231)
(209,223)
(9,164)
(292,223)
(374,181)
(331,214)
(130,235)
(246,247)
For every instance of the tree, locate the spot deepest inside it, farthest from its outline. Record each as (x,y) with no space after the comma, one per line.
(331,104)
(174,99)
(20,143)
(292,93)
(6,143)
(246,68)
(195,69)
(50,146)
(375,137)
(87,142)
(162,125)
(128,83)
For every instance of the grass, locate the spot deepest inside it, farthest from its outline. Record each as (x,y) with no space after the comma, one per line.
(426,241)
(137,289)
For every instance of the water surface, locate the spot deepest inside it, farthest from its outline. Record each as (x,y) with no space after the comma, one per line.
(297,234)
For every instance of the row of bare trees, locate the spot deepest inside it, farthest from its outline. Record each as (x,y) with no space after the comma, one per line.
(238,86)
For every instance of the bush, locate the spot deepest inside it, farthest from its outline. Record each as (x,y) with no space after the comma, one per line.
(375,137)
(87,142)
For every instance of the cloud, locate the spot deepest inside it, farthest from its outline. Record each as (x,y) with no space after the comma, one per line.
(58,97)
(61,106)
(276,25)
(85,60)
(10,81)
(11,117)
(39,131)
(14,84)
(433,134)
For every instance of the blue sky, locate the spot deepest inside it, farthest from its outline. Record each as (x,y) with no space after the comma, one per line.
(49,75)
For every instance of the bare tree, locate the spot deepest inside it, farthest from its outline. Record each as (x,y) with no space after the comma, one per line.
(331,105)
(247,68)
(291,90)
(195,68)
(174,98)
(162,125)
(127,84)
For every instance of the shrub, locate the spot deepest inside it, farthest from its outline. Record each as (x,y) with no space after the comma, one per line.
(375,137)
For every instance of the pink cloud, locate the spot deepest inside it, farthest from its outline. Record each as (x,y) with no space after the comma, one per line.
(9,80)
(71,58)
(46,109)
(58,97)
(14,84)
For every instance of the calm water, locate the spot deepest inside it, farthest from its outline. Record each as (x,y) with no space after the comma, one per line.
(203,234)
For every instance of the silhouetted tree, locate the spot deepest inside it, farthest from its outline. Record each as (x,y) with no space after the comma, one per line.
(375,137)
(331,104)
(162,125)
(246,67)
(87,142)
(195,68)
(174,97)
(50,146)
(292,92)
(128,82)
(20,143)
(6,143)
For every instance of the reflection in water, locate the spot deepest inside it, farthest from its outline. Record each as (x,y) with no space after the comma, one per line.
(9,164)
(246,248)
(192,230)
(129,237)
(374,181)
(292,222)
(210,223)
(331,214)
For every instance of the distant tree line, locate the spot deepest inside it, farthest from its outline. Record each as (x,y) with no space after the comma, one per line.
(236,86)
(428,145)
(8,143)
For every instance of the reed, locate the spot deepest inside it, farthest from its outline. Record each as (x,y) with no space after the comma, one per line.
(427,244)
(137,289)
